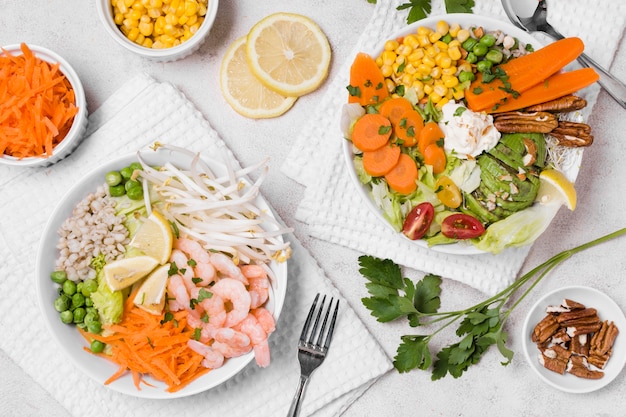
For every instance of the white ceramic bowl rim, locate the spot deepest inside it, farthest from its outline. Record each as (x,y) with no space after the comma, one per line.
(70,340)
(79,94)
(104,9)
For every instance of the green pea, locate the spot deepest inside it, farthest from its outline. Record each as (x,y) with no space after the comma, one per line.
(79,287)
(494,56)
(466,76)
(135,193)
(471,58)
(480,49)
(94,327)
(88,302)
(447,38)
(488,40)
(469,44)
(96,346)
(113,178)
(90,317)
(62,303)
(484,66)
(78,300)
(117,190)
(126,172)
(92,310)
(89,286)
(67,317)
(79,315)
(136,166)
(131,184)
(58,276)
(69,287)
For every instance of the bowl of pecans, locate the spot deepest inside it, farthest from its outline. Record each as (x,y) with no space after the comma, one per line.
(571,339)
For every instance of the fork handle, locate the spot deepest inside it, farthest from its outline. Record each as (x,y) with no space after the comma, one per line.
(296,403)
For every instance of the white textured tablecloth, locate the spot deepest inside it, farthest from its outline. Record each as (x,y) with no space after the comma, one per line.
(143,111)
(333,210)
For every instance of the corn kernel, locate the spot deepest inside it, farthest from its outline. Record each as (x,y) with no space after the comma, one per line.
(386,70)
(132,34)
(454,53)
(427,60)
(118,19)
(431,51)
(191,7)
(458,93)
(406,79)
(453,43)
(441,45)
(416,55)
(389,57)
(424,69)
(454,29)
(435,73)
(442,27)
(379,61)
(428,89)
(442,102)
(129,23)
(147,43)
(434,97)
(440,90)
(128,3)
(449,71)
(464,66)
(391,45)
(449,81)
(410,69)
(423,30)
(419,89)
(391,86)
(182,20)
(192,20)
(411,41)
(400,59)
(434,37)
(445,62)
(463,35)
(404,50)
(146,28)
(423,40)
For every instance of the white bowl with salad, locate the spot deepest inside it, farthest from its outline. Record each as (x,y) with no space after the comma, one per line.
(426,212)
(114,296)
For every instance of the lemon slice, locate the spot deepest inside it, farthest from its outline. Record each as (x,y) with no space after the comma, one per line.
(555,187)
(244,92)
(151,293)
(125,272)
(288,53)
(154,238)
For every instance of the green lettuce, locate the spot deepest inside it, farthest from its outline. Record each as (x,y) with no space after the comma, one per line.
(110,304)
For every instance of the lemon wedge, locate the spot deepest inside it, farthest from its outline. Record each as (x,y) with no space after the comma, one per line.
(151,293)
(288,53)
(555,187)
(244,92)
(125,272)
(154,238)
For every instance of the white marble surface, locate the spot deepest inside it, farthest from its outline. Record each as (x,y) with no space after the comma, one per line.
(71,28)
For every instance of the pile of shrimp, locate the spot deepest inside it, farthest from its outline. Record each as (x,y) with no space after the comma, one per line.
(224,302)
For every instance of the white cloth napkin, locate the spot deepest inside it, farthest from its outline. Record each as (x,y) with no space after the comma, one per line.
(333,210)
(141,112)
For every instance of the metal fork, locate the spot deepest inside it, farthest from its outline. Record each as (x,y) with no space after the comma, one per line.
(310,354)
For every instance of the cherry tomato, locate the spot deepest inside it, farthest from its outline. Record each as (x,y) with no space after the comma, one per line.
(448,192)
(462,226)
(418,221)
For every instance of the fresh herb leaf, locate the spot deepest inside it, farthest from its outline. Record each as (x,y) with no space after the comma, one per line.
(420,9)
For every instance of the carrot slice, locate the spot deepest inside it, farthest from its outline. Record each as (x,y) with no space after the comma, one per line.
(435,156)
(408,127)
(367,83)
(403,177)
(379,162)
(522,73)
(393,108)
(371,131)
(430,134)
(37,105)
(558,85)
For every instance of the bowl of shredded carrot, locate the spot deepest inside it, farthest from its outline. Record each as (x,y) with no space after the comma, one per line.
(158,30)
(43,110)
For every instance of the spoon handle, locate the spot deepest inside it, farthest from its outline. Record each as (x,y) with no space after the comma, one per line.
(613,86)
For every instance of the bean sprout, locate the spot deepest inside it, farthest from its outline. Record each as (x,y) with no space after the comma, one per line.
(220,212)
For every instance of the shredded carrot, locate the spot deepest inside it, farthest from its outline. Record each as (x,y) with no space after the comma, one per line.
(367,84)
(371,131)
(522,73)
(37,105)
(403,177)
(379,162)
(143,344)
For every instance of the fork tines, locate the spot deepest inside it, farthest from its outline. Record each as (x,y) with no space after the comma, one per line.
(323,339)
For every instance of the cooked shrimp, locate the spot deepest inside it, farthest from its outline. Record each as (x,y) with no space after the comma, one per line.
(184,270)
(207,331)
(258,336)
(234,291)
(206,272)
(230,351)
(177,293)
(232,337)
(262,353)
(212,358)
(259,284)
(225,266)
(215,309)
(265,319)
(193,249)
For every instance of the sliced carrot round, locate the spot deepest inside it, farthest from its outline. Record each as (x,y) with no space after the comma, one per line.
(408,127)
(403,177)
(371,131)
(379,162)
(431,133)
(393,108)
(436,157)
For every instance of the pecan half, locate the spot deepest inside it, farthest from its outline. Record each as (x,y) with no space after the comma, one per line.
(563,104)
(545,329)
(580,345)
(517,122)
(599,361)
(578,366)
(572,134)
(578,314)
(602,341)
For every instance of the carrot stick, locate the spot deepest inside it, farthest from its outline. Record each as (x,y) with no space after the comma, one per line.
(520,74)
(371,131)
(367,84)
(37,105)
(431,133)
(407,129)
(403,177)
(393,108)
(435,156)
(379,162)
(558,85)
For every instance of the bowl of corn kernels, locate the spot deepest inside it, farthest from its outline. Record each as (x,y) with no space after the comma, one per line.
(160,30)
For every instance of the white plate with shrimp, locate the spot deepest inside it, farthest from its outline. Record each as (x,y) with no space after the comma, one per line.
(68,336)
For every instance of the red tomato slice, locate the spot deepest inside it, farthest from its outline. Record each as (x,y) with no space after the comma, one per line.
(462,226)
(418,221)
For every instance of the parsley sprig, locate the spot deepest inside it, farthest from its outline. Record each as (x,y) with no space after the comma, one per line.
(419,9)
(393,296)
